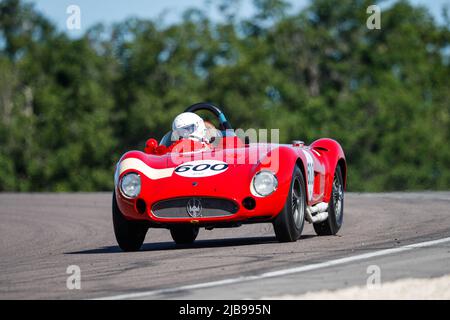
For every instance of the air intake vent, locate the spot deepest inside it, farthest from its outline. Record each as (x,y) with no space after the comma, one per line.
(194,207)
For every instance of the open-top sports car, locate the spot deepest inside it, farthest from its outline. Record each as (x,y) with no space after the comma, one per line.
(184,185)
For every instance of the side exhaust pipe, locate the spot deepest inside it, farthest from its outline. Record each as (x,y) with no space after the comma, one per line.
(317,213)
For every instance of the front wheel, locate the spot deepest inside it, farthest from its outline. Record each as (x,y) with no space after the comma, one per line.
(184,234)
(130,235)
(335,218)
(288,225)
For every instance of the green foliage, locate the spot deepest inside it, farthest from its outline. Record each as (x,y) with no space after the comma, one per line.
(69,108)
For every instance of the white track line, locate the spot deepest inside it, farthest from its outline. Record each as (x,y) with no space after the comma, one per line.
(278,273)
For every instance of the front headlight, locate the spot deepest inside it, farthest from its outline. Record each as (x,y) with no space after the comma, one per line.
(264,183)
(130,185)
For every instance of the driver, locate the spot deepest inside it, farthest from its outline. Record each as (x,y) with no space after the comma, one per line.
(189,125)
(189,132)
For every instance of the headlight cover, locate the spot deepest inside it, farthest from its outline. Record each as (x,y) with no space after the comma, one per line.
(130,185)
(265,183)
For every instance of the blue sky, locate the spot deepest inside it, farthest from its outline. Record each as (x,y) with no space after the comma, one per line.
(110,11)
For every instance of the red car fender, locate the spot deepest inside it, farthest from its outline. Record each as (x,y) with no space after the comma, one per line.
(282,162)
(333,155)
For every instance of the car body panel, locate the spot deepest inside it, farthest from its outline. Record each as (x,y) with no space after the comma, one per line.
(161,180)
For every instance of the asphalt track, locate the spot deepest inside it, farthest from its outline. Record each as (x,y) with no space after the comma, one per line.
(42,234)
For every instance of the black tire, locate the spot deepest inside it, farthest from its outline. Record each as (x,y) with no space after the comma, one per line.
(335,219)
(130,235)
(288,225)
(184,234)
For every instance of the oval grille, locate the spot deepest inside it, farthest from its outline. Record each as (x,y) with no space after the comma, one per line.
(210,207)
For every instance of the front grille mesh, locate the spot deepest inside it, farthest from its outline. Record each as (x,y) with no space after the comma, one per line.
(178,208)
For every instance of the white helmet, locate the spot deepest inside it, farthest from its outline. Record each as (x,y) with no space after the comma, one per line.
(189,125)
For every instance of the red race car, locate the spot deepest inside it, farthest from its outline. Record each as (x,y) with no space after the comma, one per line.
(192,180)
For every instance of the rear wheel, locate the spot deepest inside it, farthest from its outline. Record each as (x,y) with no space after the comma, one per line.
(288,225)
(335,218)
(184,234)
(130,235)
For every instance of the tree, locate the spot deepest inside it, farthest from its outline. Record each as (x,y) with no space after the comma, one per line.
(70,107)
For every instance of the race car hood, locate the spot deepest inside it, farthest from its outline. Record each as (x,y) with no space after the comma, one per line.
(216,172)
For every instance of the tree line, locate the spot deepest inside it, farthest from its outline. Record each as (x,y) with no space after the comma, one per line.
(70,107)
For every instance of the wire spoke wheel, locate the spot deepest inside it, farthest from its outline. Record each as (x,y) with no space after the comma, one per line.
(298,210)
(338,197)
(288,225)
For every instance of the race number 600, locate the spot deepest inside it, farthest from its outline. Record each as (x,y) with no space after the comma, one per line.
(203,168)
